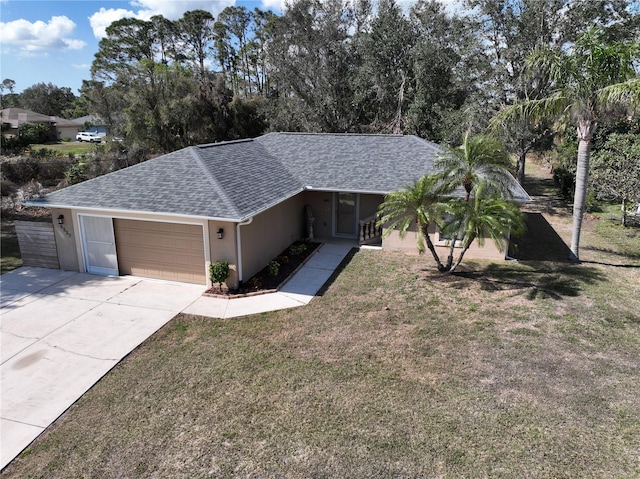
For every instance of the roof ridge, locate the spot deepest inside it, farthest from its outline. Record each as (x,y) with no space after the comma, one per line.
(301,133)
(222,143)
(221,191)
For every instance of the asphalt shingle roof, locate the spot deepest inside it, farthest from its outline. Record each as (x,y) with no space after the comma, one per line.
(356,163)
(238,179)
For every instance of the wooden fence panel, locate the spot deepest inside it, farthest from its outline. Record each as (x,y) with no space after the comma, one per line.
(37,244)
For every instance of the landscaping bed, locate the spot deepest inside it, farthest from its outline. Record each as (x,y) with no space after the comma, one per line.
(272,276)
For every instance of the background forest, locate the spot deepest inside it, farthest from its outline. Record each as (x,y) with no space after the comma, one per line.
(334,66)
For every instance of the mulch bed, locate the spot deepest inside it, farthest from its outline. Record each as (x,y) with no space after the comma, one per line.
(265,281)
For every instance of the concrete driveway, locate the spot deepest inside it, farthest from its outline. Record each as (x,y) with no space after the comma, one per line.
(61,331)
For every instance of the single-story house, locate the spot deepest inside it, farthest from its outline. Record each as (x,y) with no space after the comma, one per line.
(241,201)
(59,128)
(92,123)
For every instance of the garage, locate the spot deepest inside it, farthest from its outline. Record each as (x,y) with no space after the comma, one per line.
(169,251)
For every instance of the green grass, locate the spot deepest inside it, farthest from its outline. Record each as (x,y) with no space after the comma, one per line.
(527,369)
(503,370)
(65,148)
(10,258)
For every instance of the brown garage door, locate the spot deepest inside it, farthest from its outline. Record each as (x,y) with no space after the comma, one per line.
(168,251)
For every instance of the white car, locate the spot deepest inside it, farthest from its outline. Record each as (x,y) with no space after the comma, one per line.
(88,136)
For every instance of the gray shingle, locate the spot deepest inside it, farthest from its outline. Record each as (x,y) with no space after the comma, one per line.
(175,183)
(250,176)
(234,180)
(357,163)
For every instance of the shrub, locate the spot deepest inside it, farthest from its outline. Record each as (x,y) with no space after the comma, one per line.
(256,283)
(219,272)
(283,259)
(76,174)
(273,267)
(8,188)
(298,249)
(21,171)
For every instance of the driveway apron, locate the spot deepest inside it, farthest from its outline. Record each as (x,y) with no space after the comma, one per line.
(61,331)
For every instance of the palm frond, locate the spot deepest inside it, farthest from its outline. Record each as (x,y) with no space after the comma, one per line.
(553,106)
(626,93)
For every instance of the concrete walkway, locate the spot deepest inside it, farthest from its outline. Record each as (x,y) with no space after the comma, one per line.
(62,331)
(298,291)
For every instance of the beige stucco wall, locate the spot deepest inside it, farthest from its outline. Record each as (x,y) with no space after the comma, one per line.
(67,132)
(73,245)
(322,206)
(393,242)
(321,203)
(224,249)
(66,241)
(270,233)
(369,205)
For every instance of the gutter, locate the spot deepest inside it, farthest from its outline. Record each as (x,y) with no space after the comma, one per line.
(239,266)
(116,211)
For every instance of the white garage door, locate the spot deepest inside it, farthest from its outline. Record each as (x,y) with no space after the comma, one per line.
(99,247)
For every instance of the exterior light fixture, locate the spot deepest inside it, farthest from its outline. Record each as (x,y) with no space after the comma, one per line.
(220,233)
(61,219)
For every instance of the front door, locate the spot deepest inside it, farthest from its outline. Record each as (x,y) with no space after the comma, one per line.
(99,245)
(346,205)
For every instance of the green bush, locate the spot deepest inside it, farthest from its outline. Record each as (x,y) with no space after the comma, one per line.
(298,249)
(273,267)
(565,181)
(76,174)
(219,272)
(21,171)
(8,188)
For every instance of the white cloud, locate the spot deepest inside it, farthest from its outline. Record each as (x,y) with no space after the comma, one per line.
(145,9)
(274,5)
(39,36)
(100,20)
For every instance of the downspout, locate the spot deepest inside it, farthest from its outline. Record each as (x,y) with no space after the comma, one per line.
(242,223)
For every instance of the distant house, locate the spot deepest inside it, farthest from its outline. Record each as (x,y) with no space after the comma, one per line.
(92,123)
(60,128)
(240,201)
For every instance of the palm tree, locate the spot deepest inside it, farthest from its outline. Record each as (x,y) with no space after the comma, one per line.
(590,80)
(487,216)
(428,201)
(417,204)
(479,160)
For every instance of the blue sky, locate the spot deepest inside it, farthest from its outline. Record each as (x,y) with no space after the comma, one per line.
(55,41)
(47,41)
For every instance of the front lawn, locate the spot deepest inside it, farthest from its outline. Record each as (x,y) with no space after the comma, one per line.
(517,369)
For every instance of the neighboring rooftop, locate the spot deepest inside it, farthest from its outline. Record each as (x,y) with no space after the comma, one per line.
(237,179)
(17,116)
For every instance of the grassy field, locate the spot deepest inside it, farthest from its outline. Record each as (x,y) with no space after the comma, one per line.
(65,148)
(504,370)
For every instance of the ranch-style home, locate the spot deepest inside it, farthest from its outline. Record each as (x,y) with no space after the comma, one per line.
(59,128)
(241,201)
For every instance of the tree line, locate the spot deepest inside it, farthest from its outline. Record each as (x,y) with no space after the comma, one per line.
(332,66)
(514,66)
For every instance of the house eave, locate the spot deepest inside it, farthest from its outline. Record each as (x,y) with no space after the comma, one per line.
(346,190)
(115,211)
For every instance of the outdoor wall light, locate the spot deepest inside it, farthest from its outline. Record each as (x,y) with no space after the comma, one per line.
(220,233)
(61,219)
